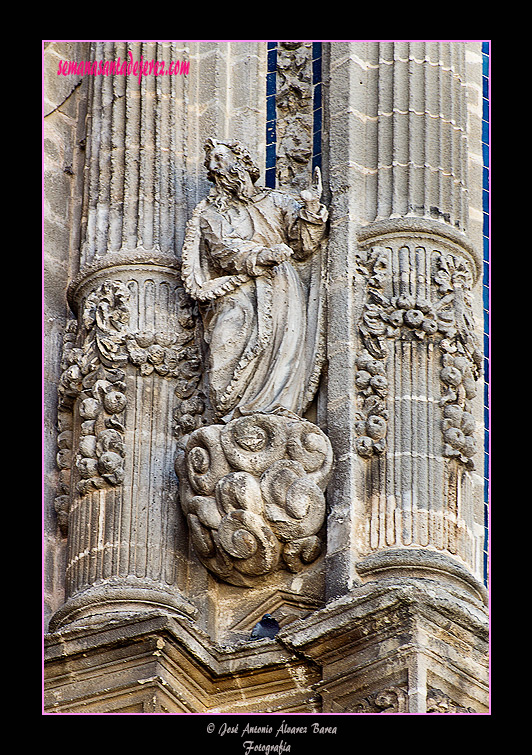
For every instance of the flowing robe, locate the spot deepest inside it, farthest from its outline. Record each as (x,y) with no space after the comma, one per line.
(263,333)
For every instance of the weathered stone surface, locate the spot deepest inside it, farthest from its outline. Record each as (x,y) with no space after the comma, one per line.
(252,259)
(154,664)
(197,322)
(402,646)
(387,645)
(253,494)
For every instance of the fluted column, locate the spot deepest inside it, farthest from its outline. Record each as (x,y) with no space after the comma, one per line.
(130,358)
(131,380)
(402,330)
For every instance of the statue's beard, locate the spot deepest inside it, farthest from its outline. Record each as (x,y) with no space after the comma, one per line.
(231,183)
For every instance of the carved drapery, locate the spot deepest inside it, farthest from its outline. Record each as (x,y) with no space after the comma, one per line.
(252,490)
(131,385)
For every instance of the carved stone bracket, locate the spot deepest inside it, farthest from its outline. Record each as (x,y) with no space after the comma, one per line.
(253,494)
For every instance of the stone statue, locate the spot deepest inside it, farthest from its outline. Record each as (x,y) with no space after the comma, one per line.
(247,258)
(252,484)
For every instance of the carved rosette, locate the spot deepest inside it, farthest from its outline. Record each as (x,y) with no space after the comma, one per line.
(439,702)
(389,700)
(395,700)
(253,495)
(442,318)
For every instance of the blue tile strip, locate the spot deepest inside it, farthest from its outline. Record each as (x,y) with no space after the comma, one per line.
(486,285)
(271,116)
(271,112)
(317,106)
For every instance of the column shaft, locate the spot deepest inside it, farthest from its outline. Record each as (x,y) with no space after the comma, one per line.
(130,357)
(402,331)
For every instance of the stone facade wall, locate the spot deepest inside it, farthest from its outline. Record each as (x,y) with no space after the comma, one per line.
(382,601)
(64,111)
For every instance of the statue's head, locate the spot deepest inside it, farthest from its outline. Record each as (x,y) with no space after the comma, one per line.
(224,159)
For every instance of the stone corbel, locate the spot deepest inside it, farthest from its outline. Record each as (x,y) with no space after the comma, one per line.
(253,495)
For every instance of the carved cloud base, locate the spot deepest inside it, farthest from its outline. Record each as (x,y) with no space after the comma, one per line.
(253,495)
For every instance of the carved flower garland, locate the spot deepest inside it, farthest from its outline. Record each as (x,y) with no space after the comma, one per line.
(372,386)
(406,317)
(93,375)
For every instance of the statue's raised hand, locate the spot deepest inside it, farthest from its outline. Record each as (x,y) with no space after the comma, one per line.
(312,196)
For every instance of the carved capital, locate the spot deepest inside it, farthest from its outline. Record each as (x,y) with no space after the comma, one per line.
(418,294)
(97,351)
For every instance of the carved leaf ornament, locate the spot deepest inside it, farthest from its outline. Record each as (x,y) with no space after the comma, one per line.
(95,354)
(447,321)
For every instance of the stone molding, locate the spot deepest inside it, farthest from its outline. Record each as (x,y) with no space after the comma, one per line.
(102,602)
(417,368)
(114,262)
(172,662)
(345,658)
(414,562)
(443,646)
(404,517)
(129,365)
(417,227)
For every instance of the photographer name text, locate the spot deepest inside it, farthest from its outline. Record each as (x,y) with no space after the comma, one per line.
(251,746)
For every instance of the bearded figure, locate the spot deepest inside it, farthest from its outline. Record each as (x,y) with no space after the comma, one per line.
(252,259)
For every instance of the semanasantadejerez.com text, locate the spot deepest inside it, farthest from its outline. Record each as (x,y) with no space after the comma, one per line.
(123,68)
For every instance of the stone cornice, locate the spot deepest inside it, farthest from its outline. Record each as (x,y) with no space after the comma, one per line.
(215,659)
(342,615)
